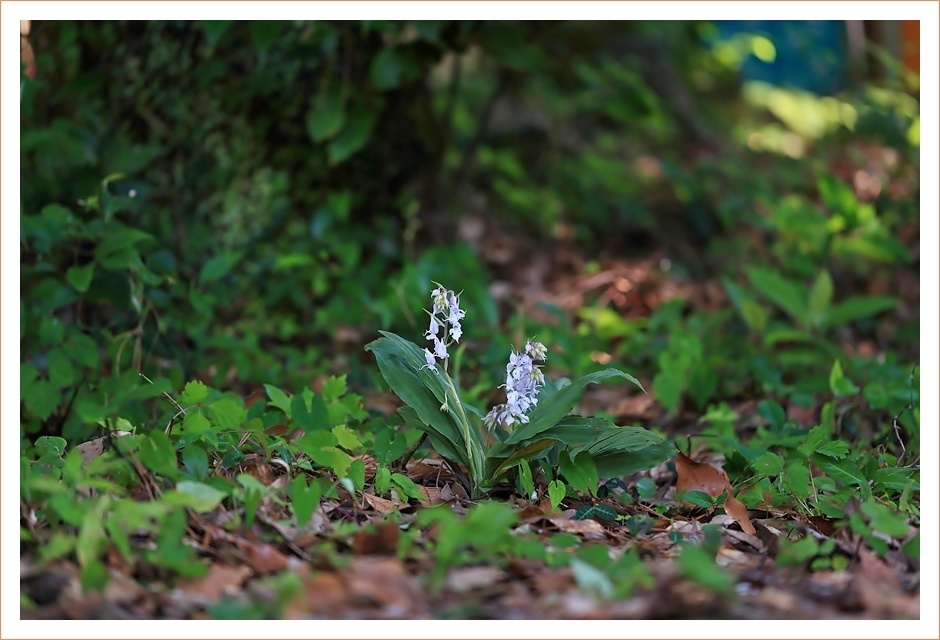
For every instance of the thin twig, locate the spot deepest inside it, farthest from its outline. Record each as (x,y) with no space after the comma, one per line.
(401,462)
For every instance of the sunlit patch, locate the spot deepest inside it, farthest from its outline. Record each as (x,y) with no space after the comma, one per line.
(601,357)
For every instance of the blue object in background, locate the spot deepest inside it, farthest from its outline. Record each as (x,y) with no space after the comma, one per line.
(811,54)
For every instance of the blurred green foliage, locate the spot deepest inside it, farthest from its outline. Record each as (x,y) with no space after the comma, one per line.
(247,203)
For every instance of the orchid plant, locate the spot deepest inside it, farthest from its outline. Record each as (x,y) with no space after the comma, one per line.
(535,422)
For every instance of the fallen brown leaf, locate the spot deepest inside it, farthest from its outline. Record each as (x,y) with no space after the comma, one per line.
(698,476)
(219,579)
(265,558)
(576,526)
(433,496)
(384,582)
(471,578)
(376,539)
(381,505)
(739,512)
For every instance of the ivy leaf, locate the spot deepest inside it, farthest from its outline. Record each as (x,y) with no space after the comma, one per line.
(556,492)
(80,277)
(304,498)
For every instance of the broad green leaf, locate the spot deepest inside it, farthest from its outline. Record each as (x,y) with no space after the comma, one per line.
(798,481)
(304,498)
(50,444)
(302,416)
(839,384)
(604,512)
(837,449)
(556,492)
(425,391)
(845,472)
(80,277)
(813,440)
(357,474)
(387,69)
(218,266)
(41,398)
(198,496)
(623,439)
(551,410)
(885,520)
(346,438)
(354,135)
(698,498)
(698,565)
(855,309)
(265,33)
(617,464)
(389,444)
(769,464)
(820,297)
(92,537)
(117,239)
(196,461)
(227,413)
(895,478)
(278,399)
(580,472)
(591,579)
(334,388)
(525,479)
(773,413)
(383,480)
(753,314)
(326,115)
(194,392)
(790,296)
(157,453)
(494,466)
(408,486)
(195,424)
(570,430)
(584,512)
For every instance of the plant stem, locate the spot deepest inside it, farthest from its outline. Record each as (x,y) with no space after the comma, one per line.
(465,425)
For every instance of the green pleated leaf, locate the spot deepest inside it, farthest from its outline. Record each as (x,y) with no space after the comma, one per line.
(617,464)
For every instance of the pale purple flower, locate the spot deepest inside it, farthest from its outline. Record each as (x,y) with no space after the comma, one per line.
(433,329)
(445,312)
(523,380)
(429,357)
(440,349)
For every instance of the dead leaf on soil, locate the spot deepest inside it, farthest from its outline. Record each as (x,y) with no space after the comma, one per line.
(433,496)
(577,526)
(739,512)
(219,579)
(381,505)
(698,476)
(384,582)
(377,539)
(471,578)
(265,558)
(880,590)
